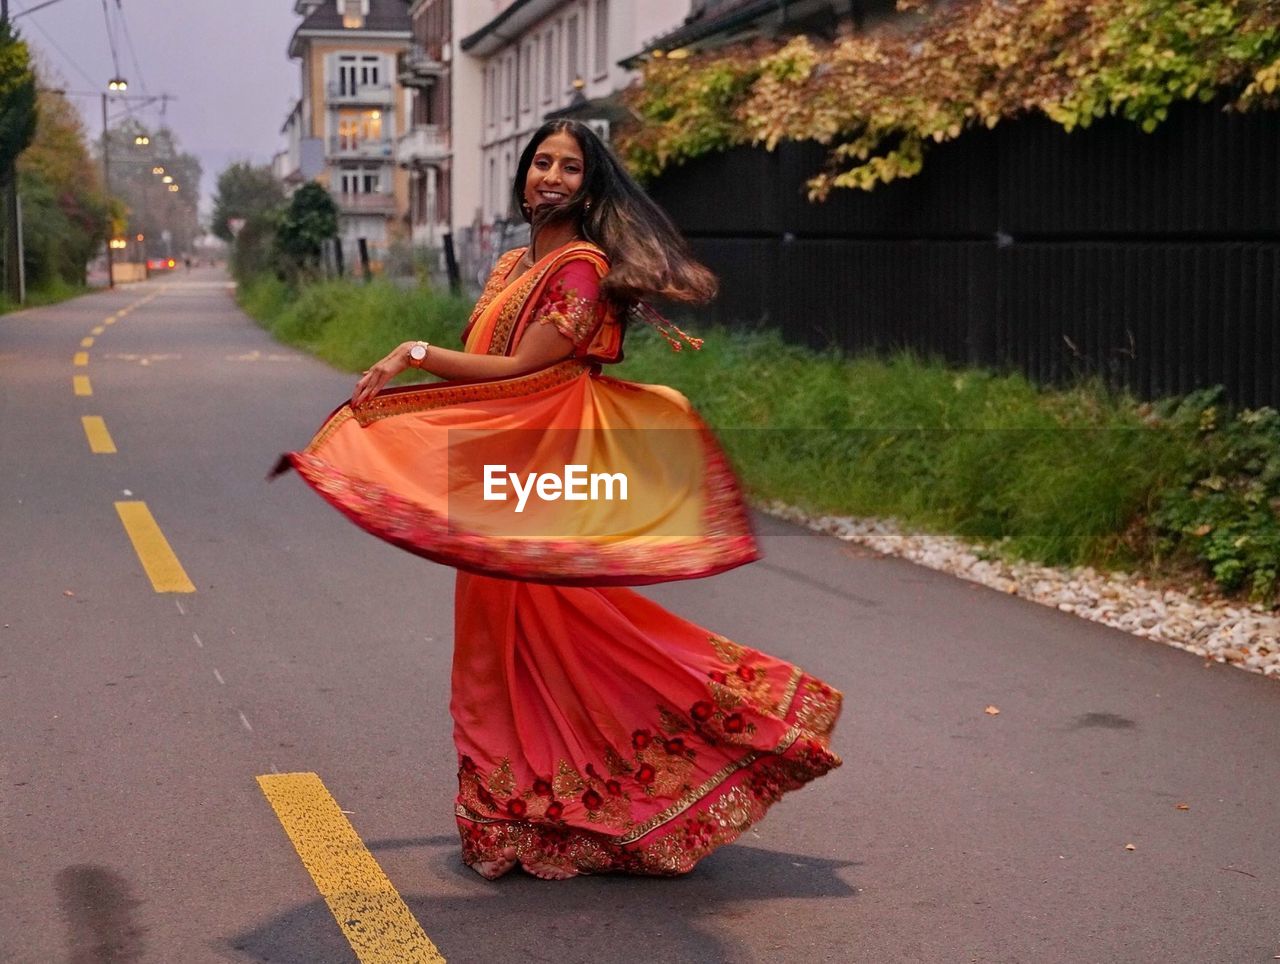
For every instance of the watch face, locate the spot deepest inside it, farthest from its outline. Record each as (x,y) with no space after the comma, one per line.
(418,352)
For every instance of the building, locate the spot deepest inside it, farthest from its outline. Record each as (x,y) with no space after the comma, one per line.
(717,23)
(483,75)
(344,128)
(542,58)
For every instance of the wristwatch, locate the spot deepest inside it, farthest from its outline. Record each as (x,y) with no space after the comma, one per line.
(418,353)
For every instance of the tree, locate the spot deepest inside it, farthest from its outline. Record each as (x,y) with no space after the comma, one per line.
(64,212)
(244,191)
(310,219)
(17,128)
(17,97)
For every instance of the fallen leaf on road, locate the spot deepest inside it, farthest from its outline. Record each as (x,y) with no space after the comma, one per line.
(1130,846)
(67,592)
(1183,806)
(992,711)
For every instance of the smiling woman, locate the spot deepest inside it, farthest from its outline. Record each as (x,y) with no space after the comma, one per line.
(595,731)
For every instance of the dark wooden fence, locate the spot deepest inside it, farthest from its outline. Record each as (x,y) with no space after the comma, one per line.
(1152,260)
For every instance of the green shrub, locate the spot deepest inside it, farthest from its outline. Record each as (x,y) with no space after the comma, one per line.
(1223,508)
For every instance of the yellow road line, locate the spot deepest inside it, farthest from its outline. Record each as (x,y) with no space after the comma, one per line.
(153,549)
(373,917)
(86,342)
(109,321)
(95,430)
(81,359)
(80,383)
(97,330)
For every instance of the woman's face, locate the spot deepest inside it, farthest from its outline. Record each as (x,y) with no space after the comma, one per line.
(556,171)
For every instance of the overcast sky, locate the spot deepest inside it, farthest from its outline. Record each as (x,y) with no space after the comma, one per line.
(225,61)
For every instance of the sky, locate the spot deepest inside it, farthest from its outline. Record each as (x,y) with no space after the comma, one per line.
(225,63)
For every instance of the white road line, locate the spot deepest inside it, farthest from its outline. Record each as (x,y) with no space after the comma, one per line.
(178,603)
(218,676)
(196,637)
(245,720)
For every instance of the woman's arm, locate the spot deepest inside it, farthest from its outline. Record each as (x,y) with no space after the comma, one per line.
(541,345)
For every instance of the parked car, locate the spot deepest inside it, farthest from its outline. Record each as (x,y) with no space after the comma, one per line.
(161,264)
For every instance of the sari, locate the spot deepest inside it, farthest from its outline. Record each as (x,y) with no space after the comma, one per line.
(595,731)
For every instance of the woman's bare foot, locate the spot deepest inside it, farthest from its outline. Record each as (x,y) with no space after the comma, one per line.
(493,869)
(549,871)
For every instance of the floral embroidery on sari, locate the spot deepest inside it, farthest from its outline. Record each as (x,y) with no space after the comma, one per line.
(572,303)
(671,842)
(592,821)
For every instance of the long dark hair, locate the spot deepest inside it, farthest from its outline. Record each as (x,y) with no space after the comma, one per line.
(648,256)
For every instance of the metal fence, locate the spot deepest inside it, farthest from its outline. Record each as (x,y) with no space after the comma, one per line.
(1152,260)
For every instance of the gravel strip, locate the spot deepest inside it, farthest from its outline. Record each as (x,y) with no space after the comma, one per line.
(1224,631)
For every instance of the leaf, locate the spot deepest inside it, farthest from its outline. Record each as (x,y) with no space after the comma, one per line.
(1182,806)
(1130,846)
(992,711)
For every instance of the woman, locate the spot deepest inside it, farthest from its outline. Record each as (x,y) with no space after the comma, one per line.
(595,731)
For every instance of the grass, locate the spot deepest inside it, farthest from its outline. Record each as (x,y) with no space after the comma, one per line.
(351,326)
(1061,477)
(49,294)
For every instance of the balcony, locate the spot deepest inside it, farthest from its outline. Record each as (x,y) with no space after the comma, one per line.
(417,67)
(376,95)
(426,144)
(352,147)
(366,203)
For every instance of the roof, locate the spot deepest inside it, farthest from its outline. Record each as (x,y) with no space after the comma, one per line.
(385,16)
(515,18)
(712,18)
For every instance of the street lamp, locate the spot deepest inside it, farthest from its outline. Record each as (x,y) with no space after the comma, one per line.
(142,140)
(117,84)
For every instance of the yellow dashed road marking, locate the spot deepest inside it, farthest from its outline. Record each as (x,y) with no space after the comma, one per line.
(95,429)
(86,342)
(81,359)
(80,383)
(97,330)
(109,321)
(370,912)
(153,549)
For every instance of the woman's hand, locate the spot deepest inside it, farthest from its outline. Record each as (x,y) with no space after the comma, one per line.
(376,378)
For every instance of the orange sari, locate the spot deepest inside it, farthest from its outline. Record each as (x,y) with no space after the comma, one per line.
(595,731)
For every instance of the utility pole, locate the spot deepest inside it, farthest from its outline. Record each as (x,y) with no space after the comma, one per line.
(106,184)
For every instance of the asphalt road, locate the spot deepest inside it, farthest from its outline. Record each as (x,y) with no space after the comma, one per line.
(134,723)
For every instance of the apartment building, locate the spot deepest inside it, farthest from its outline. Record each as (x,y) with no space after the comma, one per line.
(542,58)
(343,130)
(483,75)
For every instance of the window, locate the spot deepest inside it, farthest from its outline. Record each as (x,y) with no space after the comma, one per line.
(572,70)
(353,12)
(491,102)
(358,127)
(366,179)
(526,76)
(509,88)
(549,64)
(493,184)
(602,37)
(357,72)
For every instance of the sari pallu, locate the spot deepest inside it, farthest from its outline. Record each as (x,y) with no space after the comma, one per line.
(595,731)
(410,466)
